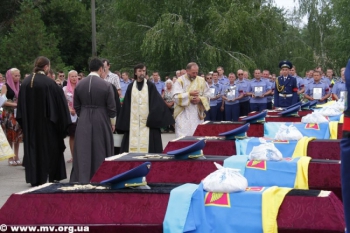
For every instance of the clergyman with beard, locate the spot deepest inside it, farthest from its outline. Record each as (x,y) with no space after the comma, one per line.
(191,94)
(143,114)
(43,114)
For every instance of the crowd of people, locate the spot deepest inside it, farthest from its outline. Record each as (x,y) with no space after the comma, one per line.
(42,110)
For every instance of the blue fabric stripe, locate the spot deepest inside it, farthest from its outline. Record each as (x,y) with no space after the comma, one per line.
(278,173)
(241,146)
(271,128)
(287,149)
(237,162)
(178,207)
(244,214)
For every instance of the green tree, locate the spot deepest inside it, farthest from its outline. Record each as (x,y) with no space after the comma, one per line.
(320,30)
(70,22)
(341,37)
(26,40)
(169,34)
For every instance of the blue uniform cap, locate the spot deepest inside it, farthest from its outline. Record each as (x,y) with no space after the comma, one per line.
(190,152)
(290,111)
(313,103)
(256,118)
(305,105)
(238,132)
(293,105)
(285,64)
(131,178)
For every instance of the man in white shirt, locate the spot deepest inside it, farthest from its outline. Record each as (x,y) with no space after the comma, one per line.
(111,77)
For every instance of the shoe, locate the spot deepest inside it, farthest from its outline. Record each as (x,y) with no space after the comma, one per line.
(19,163)
(12,163)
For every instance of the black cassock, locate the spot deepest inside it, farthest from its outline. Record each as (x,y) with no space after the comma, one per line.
(159,116)
(43,114)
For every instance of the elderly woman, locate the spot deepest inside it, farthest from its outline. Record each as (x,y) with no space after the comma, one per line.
(69,93)
(168,99)
(12,129)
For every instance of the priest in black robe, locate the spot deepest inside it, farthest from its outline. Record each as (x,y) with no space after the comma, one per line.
(142,115)
(43,114)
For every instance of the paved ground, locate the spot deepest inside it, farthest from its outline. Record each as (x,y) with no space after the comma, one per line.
(12,178)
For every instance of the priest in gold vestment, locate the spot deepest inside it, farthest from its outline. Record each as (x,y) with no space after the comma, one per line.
(191,96)
(142,115)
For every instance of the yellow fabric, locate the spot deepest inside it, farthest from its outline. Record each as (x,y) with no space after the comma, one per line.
(333,129)
(326,104)
(197,84)
(6,151)
(272,199)
(139,132)
(302,177)
(301,147)
(341,120)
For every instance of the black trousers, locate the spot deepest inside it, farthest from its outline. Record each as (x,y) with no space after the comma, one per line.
(244,108)
(269,105)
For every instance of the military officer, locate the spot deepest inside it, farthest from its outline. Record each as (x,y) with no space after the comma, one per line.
(339,90)
(258,89)
(243,85)
(317,90)
(286,89)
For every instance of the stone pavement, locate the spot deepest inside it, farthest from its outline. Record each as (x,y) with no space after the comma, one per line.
(12,179)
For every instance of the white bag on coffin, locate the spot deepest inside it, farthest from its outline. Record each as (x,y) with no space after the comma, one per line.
(289,132)
(225,180)
(314,117)
(265,151)
(330,111)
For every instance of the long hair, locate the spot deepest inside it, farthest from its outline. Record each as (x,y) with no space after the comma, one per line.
(69,85)
(40,63)
(138,66)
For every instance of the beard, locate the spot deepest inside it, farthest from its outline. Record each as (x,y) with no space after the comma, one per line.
(192,78)
(142,77)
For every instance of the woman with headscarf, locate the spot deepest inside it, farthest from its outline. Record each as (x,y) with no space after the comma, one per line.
(11,127)
(69,93)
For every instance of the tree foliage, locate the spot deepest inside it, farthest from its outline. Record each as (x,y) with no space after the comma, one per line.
(26,40)
(168,34)
(70,22)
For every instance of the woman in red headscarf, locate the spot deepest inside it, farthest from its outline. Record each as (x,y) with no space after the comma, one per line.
(10,125)
(69,93)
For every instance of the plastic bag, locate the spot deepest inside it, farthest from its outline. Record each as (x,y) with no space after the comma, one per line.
(333,110)
(266,151)
(314,117)
(288,133)
(225,180)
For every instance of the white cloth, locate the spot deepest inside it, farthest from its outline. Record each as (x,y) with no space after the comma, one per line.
(188,120)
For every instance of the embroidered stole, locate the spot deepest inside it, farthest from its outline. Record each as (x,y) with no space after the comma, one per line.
(139,132)
(197,84)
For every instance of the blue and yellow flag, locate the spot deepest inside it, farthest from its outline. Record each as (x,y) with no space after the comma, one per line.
(285,146)
(317,130)
(252,211)
(289,172)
